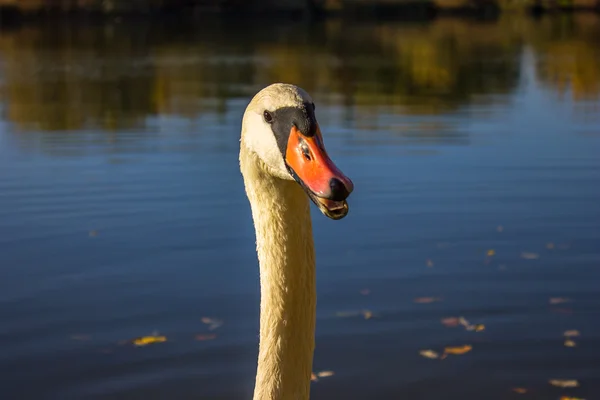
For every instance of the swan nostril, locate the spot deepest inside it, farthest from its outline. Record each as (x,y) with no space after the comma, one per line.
(339,191)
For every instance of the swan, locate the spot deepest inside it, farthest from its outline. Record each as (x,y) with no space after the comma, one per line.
(283,164)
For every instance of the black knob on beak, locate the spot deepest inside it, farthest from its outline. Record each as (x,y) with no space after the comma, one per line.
(339,191)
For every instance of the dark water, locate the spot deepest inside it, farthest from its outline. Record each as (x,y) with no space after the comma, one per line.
(474,148)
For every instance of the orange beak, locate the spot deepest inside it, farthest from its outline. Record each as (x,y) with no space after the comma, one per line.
(310,165)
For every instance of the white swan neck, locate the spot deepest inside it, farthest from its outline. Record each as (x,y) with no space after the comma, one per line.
(284,239)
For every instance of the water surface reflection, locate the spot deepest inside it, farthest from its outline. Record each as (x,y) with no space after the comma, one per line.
(473,147)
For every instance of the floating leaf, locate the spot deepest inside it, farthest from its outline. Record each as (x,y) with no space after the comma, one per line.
(426,300)
(463,321)
(458,350)
(550,246)
(564,383)
(429,354)
(519,390)
(479,327)
(212,323)
(529,256)
(429,263)
(450,322)
(146,340)
(367,314)
(322,374)
(325,374)
(571,333)
(570,343)
(491,252)
(205,337)
(93,233)
(570,398)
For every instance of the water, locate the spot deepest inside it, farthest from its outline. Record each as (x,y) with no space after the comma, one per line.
(122,210)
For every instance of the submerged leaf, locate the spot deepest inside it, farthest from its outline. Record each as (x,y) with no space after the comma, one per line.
(343,314)
(571,333)
(426,300)
(81,337)
(529,256)
(564,383)
(458,350)
(206,337)
(145,340)
(212,323)
(559,300)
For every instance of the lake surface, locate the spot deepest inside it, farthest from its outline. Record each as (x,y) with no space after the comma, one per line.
(474,148)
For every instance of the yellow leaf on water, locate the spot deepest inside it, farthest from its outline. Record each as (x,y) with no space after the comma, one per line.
(145,340)
(429,354)
(570,343)
(491,252)
(479,327)
(570,398)
(367,314)
(571,333)
(458,350)
(564,383)
(325,374)
(520,390)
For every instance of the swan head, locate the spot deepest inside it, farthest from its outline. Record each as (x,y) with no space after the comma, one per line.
(280,127)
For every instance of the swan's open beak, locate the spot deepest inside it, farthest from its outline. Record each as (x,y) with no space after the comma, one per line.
(310,165)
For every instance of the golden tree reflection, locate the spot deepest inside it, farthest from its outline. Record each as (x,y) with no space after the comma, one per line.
(113,77)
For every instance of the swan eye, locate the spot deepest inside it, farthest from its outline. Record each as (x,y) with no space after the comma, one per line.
(306,152)
(268,117)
